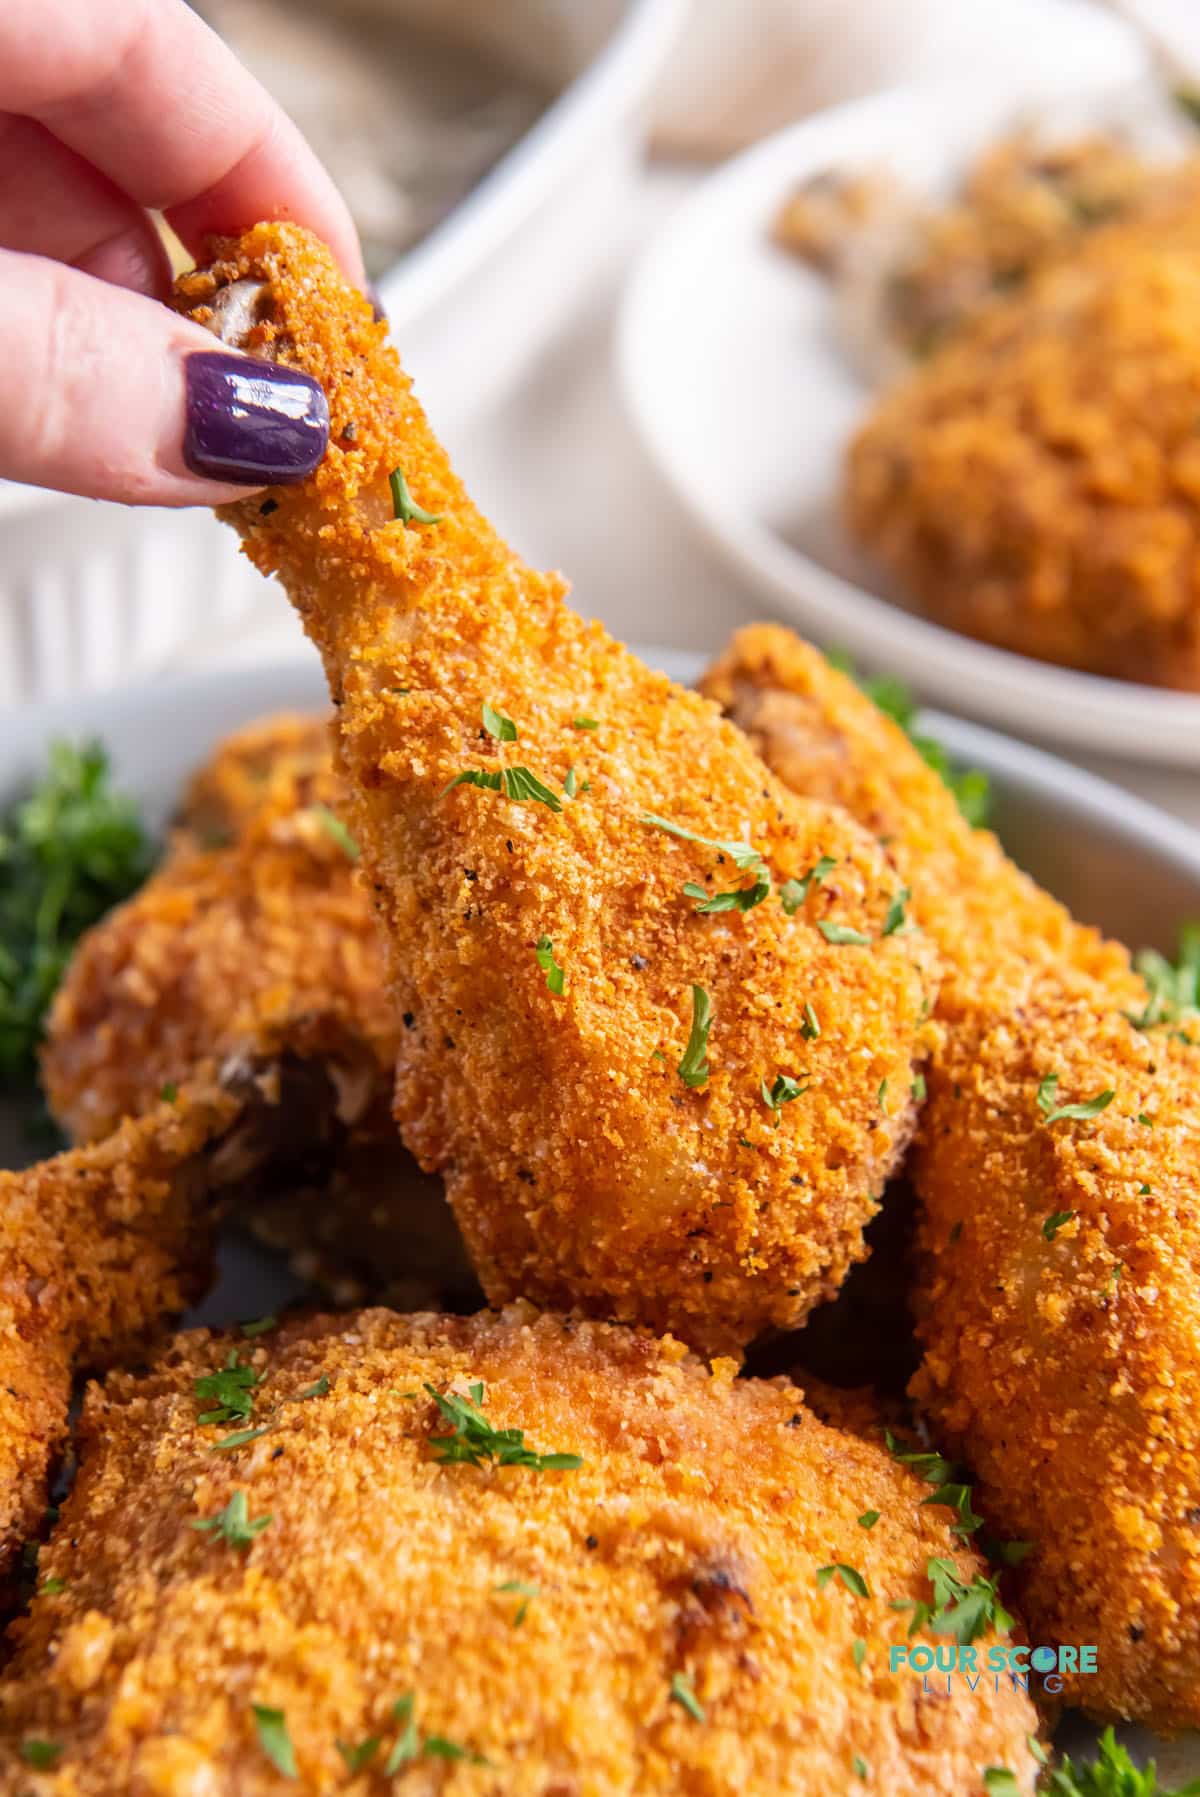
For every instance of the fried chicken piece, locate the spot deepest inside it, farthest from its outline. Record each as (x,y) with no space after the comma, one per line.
(277,765)
(651,1620)
(97,1247)
(582,1167)
(1059,1295)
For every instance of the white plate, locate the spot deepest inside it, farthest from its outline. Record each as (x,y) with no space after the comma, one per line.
(1075,833)
(733,375)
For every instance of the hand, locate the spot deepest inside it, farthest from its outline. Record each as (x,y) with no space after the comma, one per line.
(108,108)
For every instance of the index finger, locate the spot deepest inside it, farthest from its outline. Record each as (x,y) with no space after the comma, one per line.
(149,94)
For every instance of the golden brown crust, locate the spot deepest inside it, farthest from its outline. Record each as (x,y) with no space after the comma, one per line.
(580,1166)
(1037,482)
(277,766)
(686,1545)
(1071,1387)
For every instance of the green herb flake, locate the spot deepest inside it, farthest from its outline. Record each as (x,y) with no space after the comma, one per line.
(555,975)
(43,1756)
(1053,1224)
(892,697)
(260,1326)
(68,853)
(841,935)
(895,913)
(274,1739)
(318,1389)
(868,1519)
(693,1068)
(859,1652)
(919,1089)
(793,893)
(474,1439)
(743,898)
(407,1745)
(585,723)
(405,507)
(683,1693)
(998,1781)
(1143,1119)
(851,1578)
(810,1029)
(516,783)
(1173,986)
(232,1388)
(882,1095)
(498,726)
(784,1090)
(958,1609)
(359,1757)
(746,859)
(335,829)
(571,783)
(233,1523)
(1053,1112)
(239,1439)
(52,1587)
(518,1588)
(1111,1774)
(168,1093)
(861,1768)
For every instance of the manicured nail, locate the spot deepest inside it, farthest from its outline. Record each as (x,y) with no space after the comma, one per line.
(253,423)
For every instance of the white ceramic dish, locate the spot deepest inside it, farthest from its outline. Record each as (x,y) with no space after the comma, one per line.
(1076,834)
(733,375)
(92,594)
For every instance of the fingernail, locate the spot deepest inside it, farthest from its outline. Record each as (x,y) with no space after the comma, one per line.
(253,423)
(376,298)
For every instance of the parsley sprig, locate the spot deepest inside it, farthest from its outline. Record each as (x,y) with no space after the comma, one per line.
(793,893)
(274,1739)
(404,506)
(555,975)
(1053,1112)
(232,1388)
(969,785)
(693,1068)
(68,853)
(233,1523)
(474,1439)
(958,1609)
(1174,987)
(1111,1774)
(783,1091)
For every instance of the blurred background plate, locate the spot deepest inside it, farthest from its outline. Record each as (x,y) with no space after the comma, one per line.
(744,397)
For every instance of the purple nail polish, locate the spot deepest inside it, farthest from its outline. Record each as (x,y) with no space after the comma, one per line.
(252,423)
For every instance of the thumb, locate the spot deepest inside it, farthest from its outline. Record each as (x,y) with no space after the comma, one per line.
(109,394)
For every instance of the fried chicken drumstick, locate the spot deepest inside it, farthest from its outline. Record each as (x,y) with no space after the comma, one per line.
(1058,1167)
(645,1599)
(664,1115)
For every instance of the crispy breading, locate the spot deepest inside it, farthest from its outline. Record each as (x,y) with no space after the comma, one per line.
(97,1247)
(541,1619)
(277,765)
(581,1166)
(1036,483)
(1060,1356)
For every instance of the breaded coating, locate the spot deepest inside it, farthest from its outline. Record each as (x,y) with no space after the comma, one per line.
(1059,1294)
(1036,483)
(252,950)
(97,1247)
(277,765)
(582,1166)
(652,1620)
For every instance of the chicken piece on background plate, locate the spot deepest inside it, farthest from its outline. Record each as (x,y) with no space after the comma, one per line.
(611,927)
(506,1553)
(1058,1169)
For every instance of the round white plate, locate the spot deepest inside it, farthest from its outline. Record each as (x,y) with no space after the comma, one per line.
(733,375)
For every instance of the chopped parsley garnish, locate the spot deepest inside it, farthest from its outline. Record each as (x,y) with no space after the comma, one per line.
(359,1757)
(555,975)
(1174,987)
(274,1739)
(1053,1224)
(683,1693)
(239,1439)
(998,1781)
(52,1587)
(498,726)
(404,506)
(782,1092)
(585,723)
(919,1089)
(851,1578)
(840,934)
(318,1389)
(1146,1121)
(516,783)
(1053,1112)
(746,859)
(882,1095)
(336,830)
(233,1523)
(68,853)
(958,1609)
(810,1029)
(793,893)
(861,1768)
(474,1440)
(1111,1774)
(969,785)
(895,912)
(260,1326)
(409,1746)
(168,1093)
(951,1490)
(571,783)
(743,898)
(232,1389)
(859,1653)
(693,1068)
(518,1588)
(41,1755)
(868,1519)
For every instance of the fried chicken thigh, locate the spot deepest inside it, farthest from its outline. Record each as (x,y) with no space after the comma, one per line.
(1058,1167)
(647,1597)
(657,1131)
